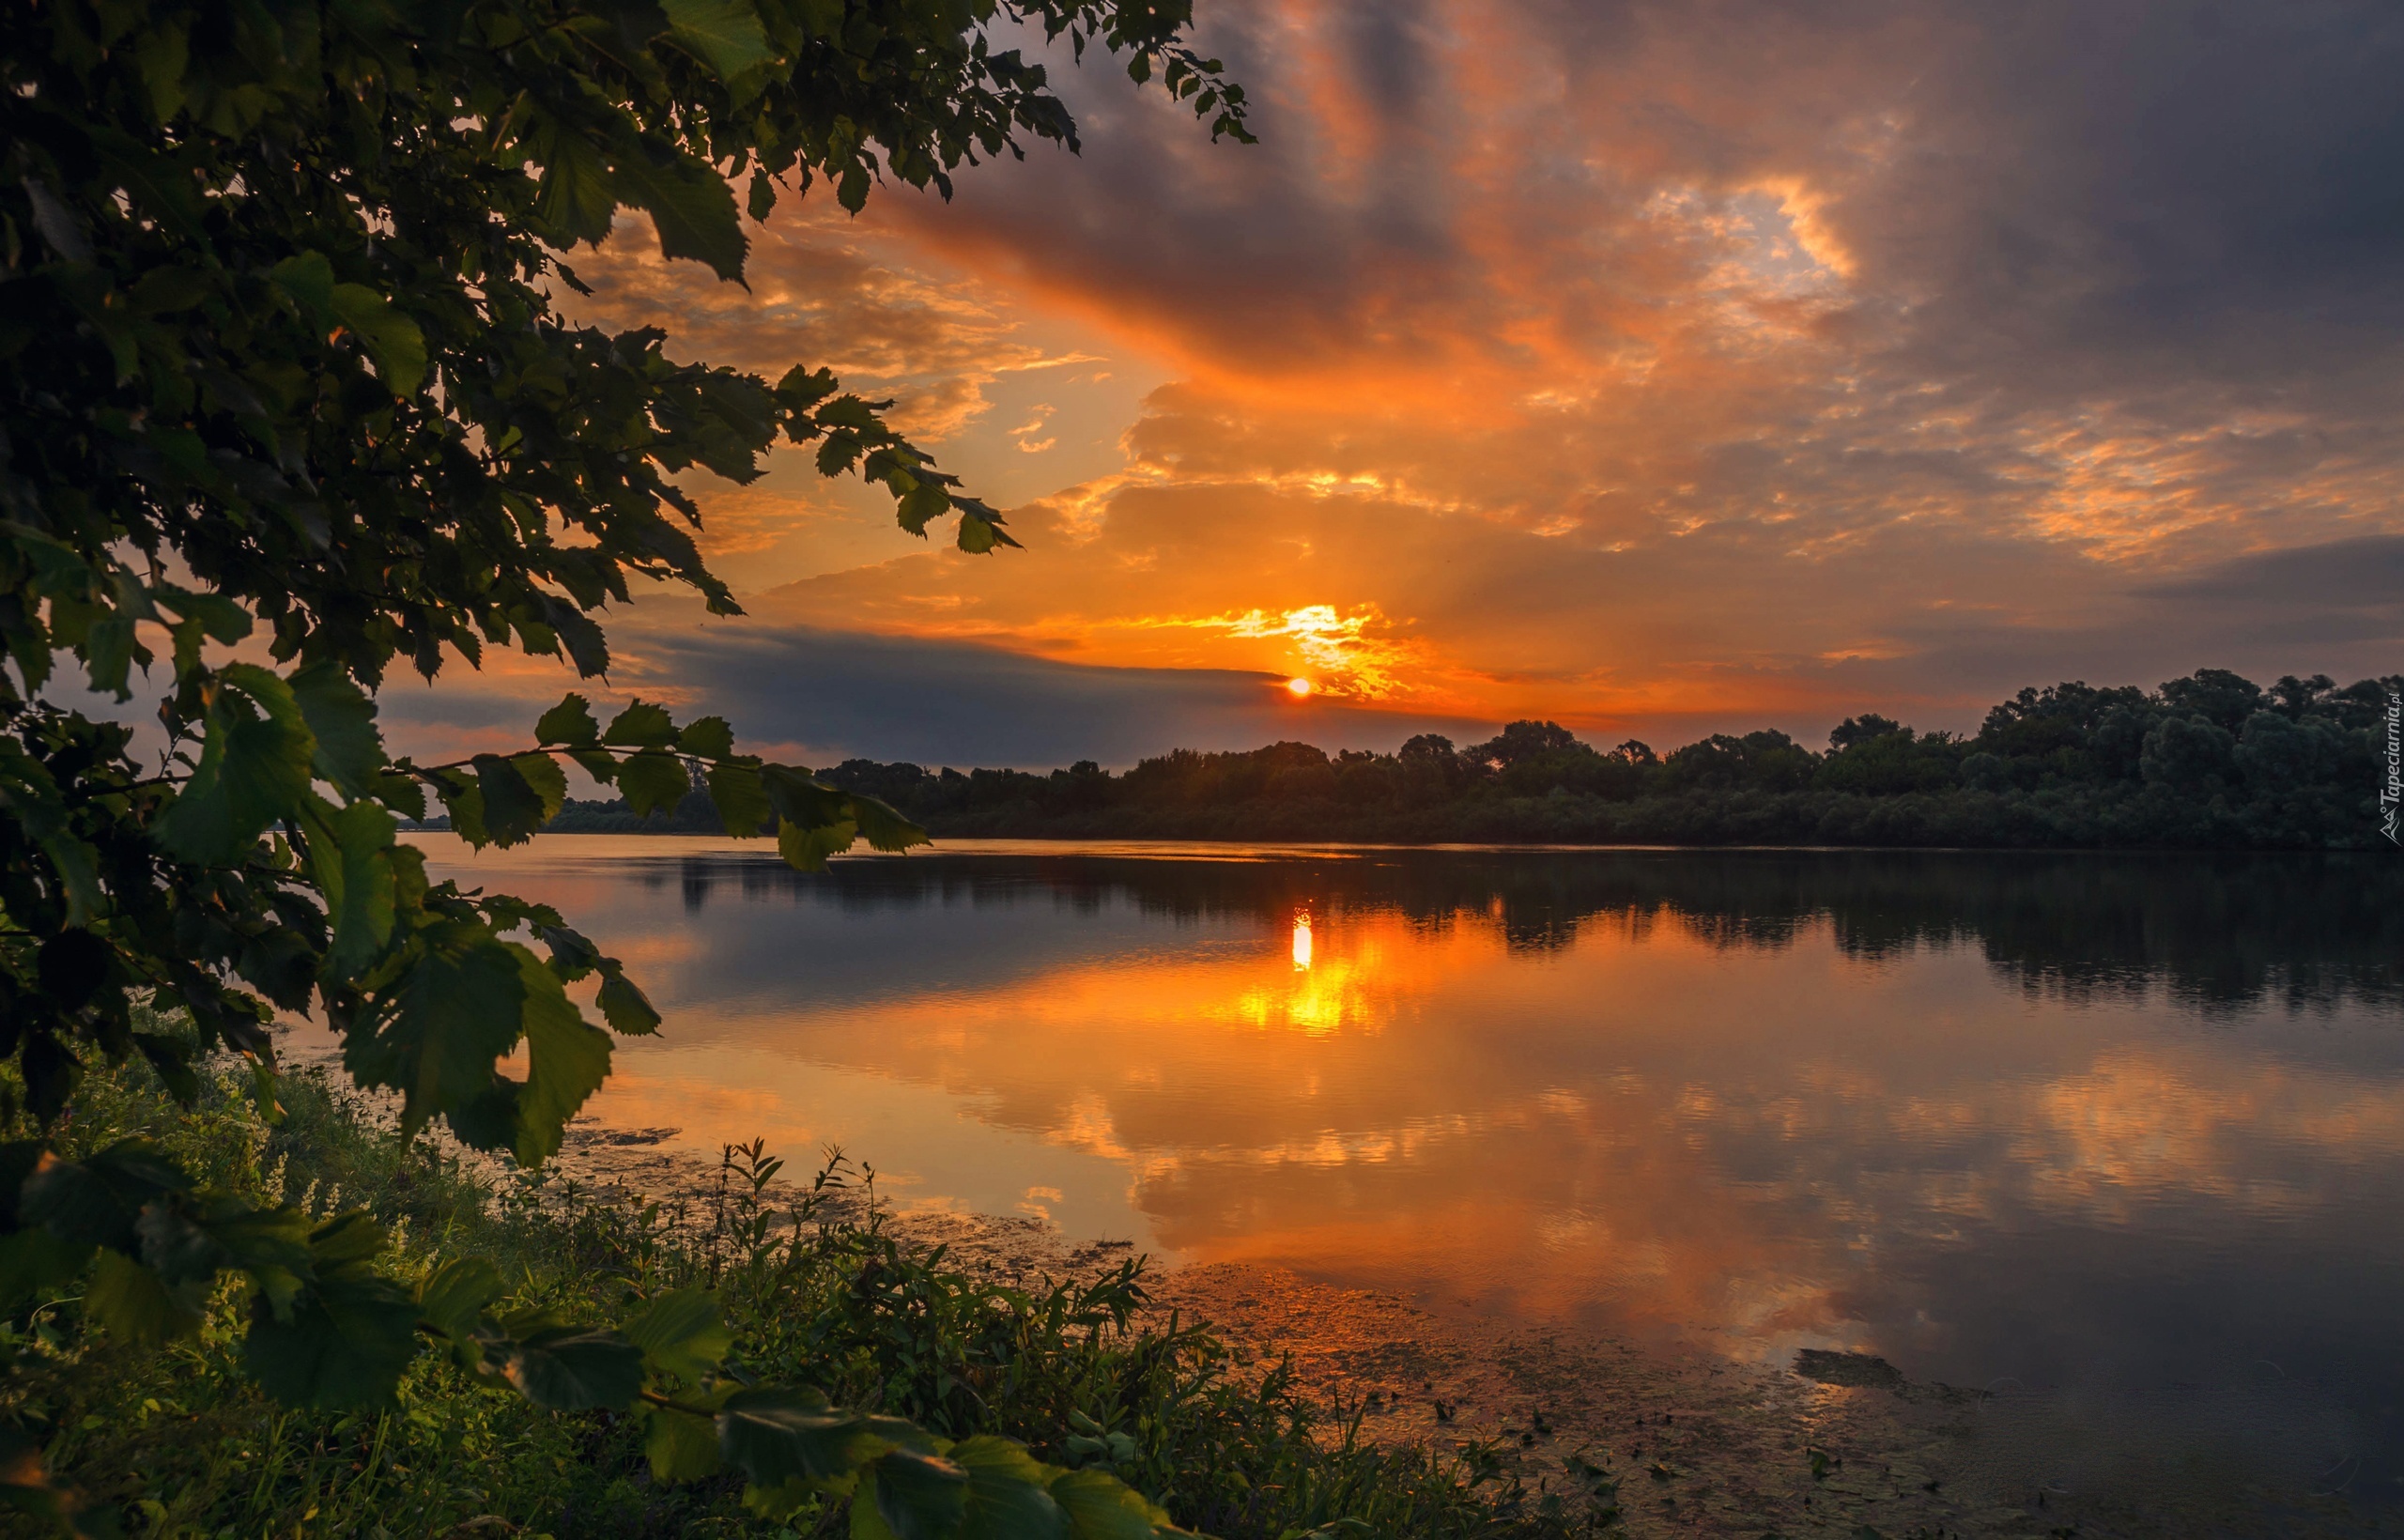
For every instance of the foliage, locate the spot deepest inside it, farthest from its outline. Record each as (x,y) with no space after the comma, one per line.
(1068,1366)
(282,399)
(2208,762)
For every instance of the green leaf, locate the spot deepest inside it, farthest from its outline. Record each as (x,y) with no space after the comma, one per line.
(458,1009)
(138,1306)
(884,829)
(513,807)
(308,280)
(348,853)
(642,725)
(1007,1495)
(253,769)
(798,799)
(390,337)
(543,773)
(650,780)
(724,34)
(564,1369)
(626,1007)
(349,752)
(741,804)
(576,196)
(599,763)
(682,1445)
(570,723)
(463,798)
(707,738)
(35,1262)
(919,1496)
(683,1333)
(1102,1507)
(690,206)
(453,1301)
(807,850)
(567,1059)
(773,1435)
(344,1341)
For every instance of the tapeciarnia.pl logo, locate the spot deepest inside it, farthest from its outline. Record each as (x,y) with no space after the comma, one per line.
(2392,795)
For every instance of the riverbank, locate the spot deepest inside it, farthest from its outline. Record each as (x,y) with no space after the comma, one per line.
(1700,1444)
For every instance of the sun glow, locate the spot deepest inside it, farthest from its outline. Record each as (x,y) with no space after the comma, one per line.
(1302,942)
(1297,687)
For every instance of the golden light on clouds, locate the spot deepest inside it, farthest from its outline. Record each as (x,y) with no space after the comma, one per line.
(1689,388)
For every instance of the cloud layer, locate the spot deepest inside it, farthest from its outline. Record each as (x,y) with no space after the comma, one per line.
(1632,365)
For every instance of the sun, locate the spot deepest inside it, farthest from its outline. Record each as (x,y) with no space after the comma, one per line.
(1297,687)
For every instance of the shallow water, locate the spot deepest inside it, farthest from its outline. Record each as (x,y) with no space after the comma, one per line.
(2119,1137)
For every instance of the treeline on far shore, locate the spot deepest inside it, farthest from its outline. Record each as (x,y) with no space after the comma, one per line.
(2212,760)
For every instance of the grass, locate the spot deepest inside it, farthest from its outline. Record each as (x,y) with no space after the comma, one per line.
(818,1291)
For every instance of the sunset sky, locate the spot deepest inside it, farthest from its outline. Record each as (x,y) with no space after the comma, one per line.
(1660,369)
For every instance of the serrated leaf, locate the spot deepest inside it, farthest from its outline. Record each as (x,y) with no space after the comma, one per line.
(457,1011)
(573,954)
(883,827)
(35,1262)
(577,195)
(798,799)
(917,1496)
(626,1007)
(724,34)
(642,725)
(349,752)
(138,1306)
(683,1333)
(463,798)
(807,850)
(650,780)
(308,280)
(255,762)
(691,207)
(707,738)
(563,1369)
(1007,1498)
(681,1446)
(1102,1507)
(404,794)
(453,1301)
(349,854)
(344,1341)
(543,773)
(741,804)
(512,807)
(775,1434)
(569,723)
(390,337)
(567,1059)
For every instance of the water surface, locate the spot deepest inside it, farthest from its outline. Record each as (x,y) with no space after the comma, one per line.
(2126,1129)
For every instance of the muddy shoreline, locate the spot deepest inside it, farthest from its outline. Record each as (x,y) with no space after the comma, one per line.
(1701,1445)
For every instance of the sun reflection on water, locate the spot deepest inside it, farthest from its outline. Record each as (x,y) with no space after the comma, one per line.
(1302,942)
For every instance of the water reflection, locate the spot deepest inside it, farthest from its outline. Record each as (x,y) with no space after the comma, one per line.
(2078,1121)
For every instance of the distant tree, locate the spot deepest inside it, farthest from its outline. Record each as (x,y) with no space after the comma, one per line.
(1524,740)
(2219,697)
(1861,729)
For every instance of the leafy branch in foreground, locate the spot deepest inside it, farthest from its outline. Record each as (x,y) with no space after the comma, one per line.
(278,353)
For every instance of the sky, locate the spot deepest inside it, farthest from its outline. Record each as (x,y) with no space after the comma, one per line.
(1659,369)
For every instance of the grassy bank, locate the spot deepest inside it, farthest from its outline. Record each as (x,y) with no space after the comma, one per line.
(180,1445)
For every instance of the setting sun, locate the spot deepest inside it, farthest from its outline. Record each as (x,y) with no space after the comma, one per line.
(1297,687)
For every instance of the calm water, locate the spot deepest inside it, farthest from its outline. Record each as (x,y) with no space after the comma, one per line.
(2125,1131)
